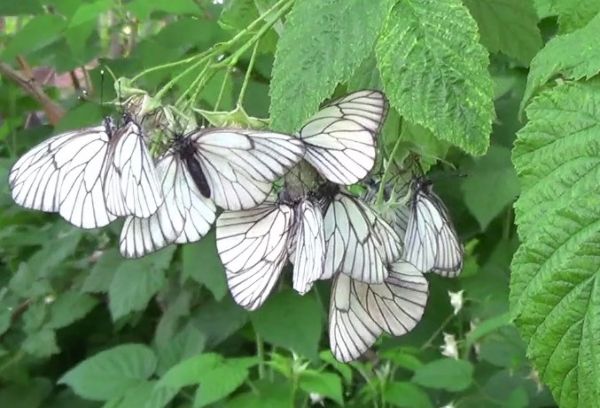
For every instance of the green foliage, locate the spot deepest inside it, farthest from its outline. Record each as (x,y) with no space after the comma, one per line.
(445,89)
(82,327)
(309,49)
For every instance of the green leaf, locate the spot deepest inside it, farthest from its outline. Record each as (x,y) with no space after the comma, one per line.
(445,374)
(406,395)
(103,271)
(38,33)
(137,281)
(324,41)
(21,7)
(112,372)
(190,371)
(434,71)
(325,384)
(343,369)
(41,343)
(290,320)
(68,308)
(557,154)
(486,327)
(571,14)
(142,8)
(508,26)
(570,56)
(491,184)
(222,381)
(219,320)
(201,263)
(30,394)
(554,281)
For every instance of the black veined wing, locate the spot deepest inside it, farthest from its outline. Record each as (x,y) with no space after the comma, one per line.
(431,243)
(340,139)
(360,312)
(307,245)
(358,241)
(131,185)
(252,245)
(237,167)
(185,215)
(64,174)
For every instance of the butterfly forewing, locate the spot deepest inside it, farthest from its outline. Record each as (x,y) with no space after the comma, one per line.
(431,242)
(252,245)
(340,138)
(132,185)
(308,246)
(184,215)
(360,312)
(240,165)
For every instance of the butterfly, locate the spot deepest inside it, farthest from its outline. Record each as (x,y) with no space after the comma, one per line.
(68,174)
(431,242)
(232,168)
(359,243)
(360,312)
(254,246)
(340,138)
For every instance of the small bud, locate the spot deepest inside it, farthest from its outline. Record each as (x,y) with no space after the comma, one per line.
(450,348)
(456,300)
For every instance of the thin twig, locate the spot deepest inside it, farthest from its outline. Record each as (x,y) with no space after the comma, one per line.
(54,112)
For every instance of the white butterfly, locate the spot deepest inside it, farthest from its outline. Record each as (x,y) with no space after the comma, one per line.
(431,243)
(66,174)
(340,138)
(254,246)
(233,167)
(360,312)
(359,243)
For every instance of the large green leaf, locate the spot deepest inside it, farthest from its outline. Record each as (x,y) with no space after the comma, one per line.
(445,374)
(322,383)
(570,56)
(557,154)
(554,297)
(136,281)
(406,395)
(434,71)
(290,320)
(110,373)
(39,32)
(508,26)
(202,264)
(324,41)
(68,308)
(572,14)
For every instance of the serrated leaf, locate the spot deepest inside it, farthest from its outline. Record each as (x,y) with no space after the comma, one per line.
(222,381)
(112,372)
(557,154)
(322,383)
(201,263)
(22,7)
(445,374)
(137,281)
(190,371)
(508,26)
(570,56)
(290,321)
(490,185)
(571,14)
(434,71)
(219,320)
(554,292)
(68,308)
(324,41)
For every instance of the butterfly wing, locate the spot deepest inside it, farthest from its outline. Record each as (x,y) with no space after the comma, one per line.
(252,245)
(340,138)
(131,185)
(431,242)
(240,165)
(184,215)
(351,242)
(309,246)
(360,312)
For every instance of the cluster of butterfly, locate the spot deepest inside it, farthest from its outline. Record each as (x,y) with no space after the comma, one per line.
(94,175)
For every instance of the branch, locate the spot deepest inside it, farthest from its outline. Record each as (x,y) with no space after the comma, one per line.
(54,112)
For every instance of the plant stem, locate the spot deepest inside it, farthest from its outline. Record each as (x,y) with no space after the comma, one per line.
(386,171)
(222,90)
(248,73)
(437,332)
(260,353)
